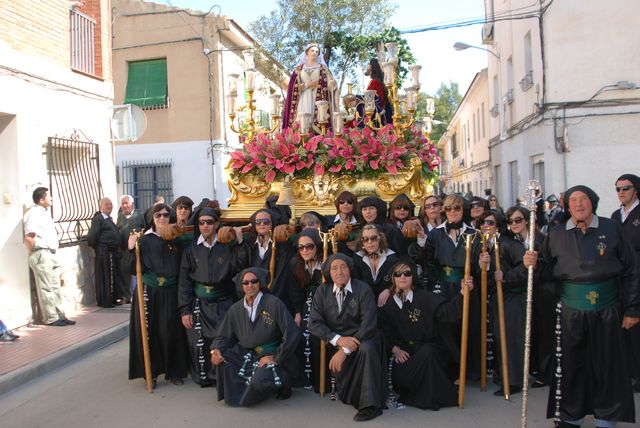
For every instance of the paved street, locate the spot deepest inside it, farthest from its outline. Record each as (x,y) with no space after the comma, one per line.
(94,392)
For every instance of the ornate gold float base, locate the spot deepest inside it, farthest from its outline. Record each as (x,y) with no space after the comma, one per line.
(318,193)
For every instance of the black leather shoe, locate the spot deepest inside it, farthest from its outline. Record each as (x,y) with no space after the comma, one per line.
(284,393)
(367,414)
(59,323)
(68,321)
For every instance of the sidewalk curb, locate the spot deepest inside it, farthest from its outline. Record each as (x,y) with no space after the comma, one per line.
(27,373)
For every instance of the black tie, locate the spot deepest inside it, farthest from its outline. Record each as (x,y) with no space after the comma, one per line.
(340,298)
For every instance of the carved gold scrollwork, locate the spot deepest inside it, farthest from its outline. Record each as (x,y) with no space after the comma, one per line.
(321,190)
(408,181)
(247,185)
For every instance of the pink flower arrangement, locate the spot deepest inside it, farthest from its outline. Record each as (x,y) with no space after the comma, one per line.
(361,152)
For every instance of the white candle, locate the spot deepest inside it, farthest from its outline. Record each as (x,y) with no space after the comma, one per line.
(231,102)
(415,74)
(370,101)
(410,98)
(431,106)
(248,59)
(250,76)
(275,106)
(402,100)
(389,73)
(233,84)
(392,52)
(323,111)
(338,123)
(305,119)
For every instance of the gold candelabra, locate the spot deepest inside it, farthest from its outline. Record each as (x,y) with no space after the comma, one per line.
(249,129)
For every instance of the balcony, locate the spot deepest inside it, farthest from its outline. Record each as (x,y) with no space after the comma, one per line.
(527,81)
(508,97)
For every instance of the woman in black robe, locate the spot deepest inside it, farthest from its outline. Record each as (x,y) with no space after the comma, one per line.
(413,321)
(373,260)
(346,214)
(167,339)
(306,268)
(373,210)
(255,346)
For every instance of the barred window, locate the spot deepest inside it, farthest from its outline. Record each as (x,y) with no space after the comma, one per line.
(144,180)
(82,43)
(74,182)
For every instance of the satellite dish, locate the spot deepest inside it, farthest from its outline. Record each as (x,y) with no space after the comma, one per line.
(128,122)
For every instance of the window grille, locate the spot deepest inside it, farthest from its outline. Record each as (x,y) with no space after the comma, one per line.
(82,43)
(74,182)
(144,180)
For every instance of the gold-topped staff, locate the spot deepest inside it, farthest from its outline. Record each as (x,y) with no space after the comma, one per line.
(323,344)
(501,323)
(532,188)
(483,315)
(142,312)
(468,239)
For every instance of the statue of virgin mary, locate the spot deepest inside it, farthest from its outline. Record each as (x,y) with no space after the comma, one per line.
(311,81)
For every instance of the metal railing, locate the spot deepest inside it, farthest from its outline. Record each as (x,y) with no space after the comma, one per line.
(82,43)
(74,182)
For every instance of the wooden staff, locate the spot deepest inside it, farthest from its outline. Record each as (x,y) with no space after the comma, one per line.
(501,323)
(272,264)
(143,317)
(468,238)
(323,344)
(532,189)
(483,316)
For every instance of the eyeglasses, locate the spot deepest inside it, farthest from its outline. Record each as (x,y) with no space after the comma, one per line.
(370,238)
(158,215)
(307,247)
(344,201)
(454,208)
(263,221)
(430,206)
(250,281)
(402,207)
(517,220)
(209,222)
(476,205)
(624,188)
(405,273)
(488,222)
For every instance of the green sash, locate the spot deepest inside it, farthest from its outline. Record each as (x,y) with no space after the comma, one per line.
(210,291)
(152,279)
(269,348)
(591,296)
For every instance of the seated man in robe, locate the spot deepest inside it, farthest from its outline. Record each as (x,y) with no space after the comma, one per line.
(255,345)
(343,313)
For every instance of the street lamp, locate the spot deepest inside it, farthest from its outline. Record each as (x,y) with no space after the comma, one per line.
(460,46)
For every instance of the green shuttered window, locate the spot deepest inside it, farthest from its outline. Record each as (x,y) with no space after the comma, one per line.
(147,83)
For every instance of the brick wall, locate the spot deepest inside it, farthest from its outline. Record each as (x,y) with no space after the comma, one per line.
(41,28)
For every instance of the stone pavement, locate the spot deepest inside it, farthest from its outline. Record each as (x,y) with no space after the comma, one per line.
(41,348)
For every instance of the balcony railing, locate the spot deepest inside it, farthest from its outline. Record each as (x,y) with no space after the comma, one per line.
(82,43)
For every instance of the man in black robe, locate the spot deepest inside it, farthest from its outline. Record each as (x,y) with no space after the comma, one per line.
(628,216)
(129,220)
(255,345)
(595,268)
(343,313)
(104,238)
(206,290)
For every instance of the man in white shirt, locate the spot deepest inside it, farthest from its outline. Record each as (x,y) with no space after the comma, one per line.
(41,240)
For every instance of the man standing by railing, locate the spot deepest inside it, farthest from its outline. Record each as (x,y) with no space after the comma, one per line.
(41,240)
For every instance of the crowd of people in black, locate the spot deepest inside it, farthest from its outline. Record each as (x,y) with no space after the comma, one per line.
(375,293)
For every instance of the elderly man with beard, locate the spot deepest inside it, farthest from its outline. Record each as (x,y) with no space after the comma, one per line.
(206,290)
(594,265)
(343,313)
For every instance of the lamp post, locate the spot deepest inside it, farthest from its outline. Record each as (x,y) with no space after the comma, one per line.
(460,46)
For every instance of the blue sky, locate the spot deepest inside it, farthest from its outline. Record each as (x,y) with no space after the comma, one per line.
(433,49)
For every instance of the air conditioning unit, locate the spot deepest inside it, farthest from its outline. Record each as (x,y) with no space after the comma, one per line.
(527,81)
(508,97)
(487,34)
(495,110)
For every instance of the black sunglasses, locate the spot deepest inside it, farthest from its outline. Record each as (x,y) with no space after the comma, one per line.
(624,188)
(405,273)
(209,222)
(454,208)
(263,221)
(250,281)
(402,207)
(344,201)
(308,247)
(158,215)
(430,206)
(476,205)
(488,222)
(370,238)
(517,220)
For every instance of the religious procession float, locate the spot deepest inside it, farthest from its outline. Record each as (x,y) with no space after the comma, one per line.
(370,146)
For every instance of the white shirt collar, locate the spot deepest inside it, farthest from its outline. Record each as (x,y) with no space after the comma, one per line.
(408,296)
(203,241)
(152,232)
(593,225)
(338,219)
(625,213)
(105,216)
(347,287)
(251,310)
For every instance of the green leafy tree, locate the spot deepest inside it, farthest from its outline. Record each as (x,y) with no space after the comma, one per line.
(447,100)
